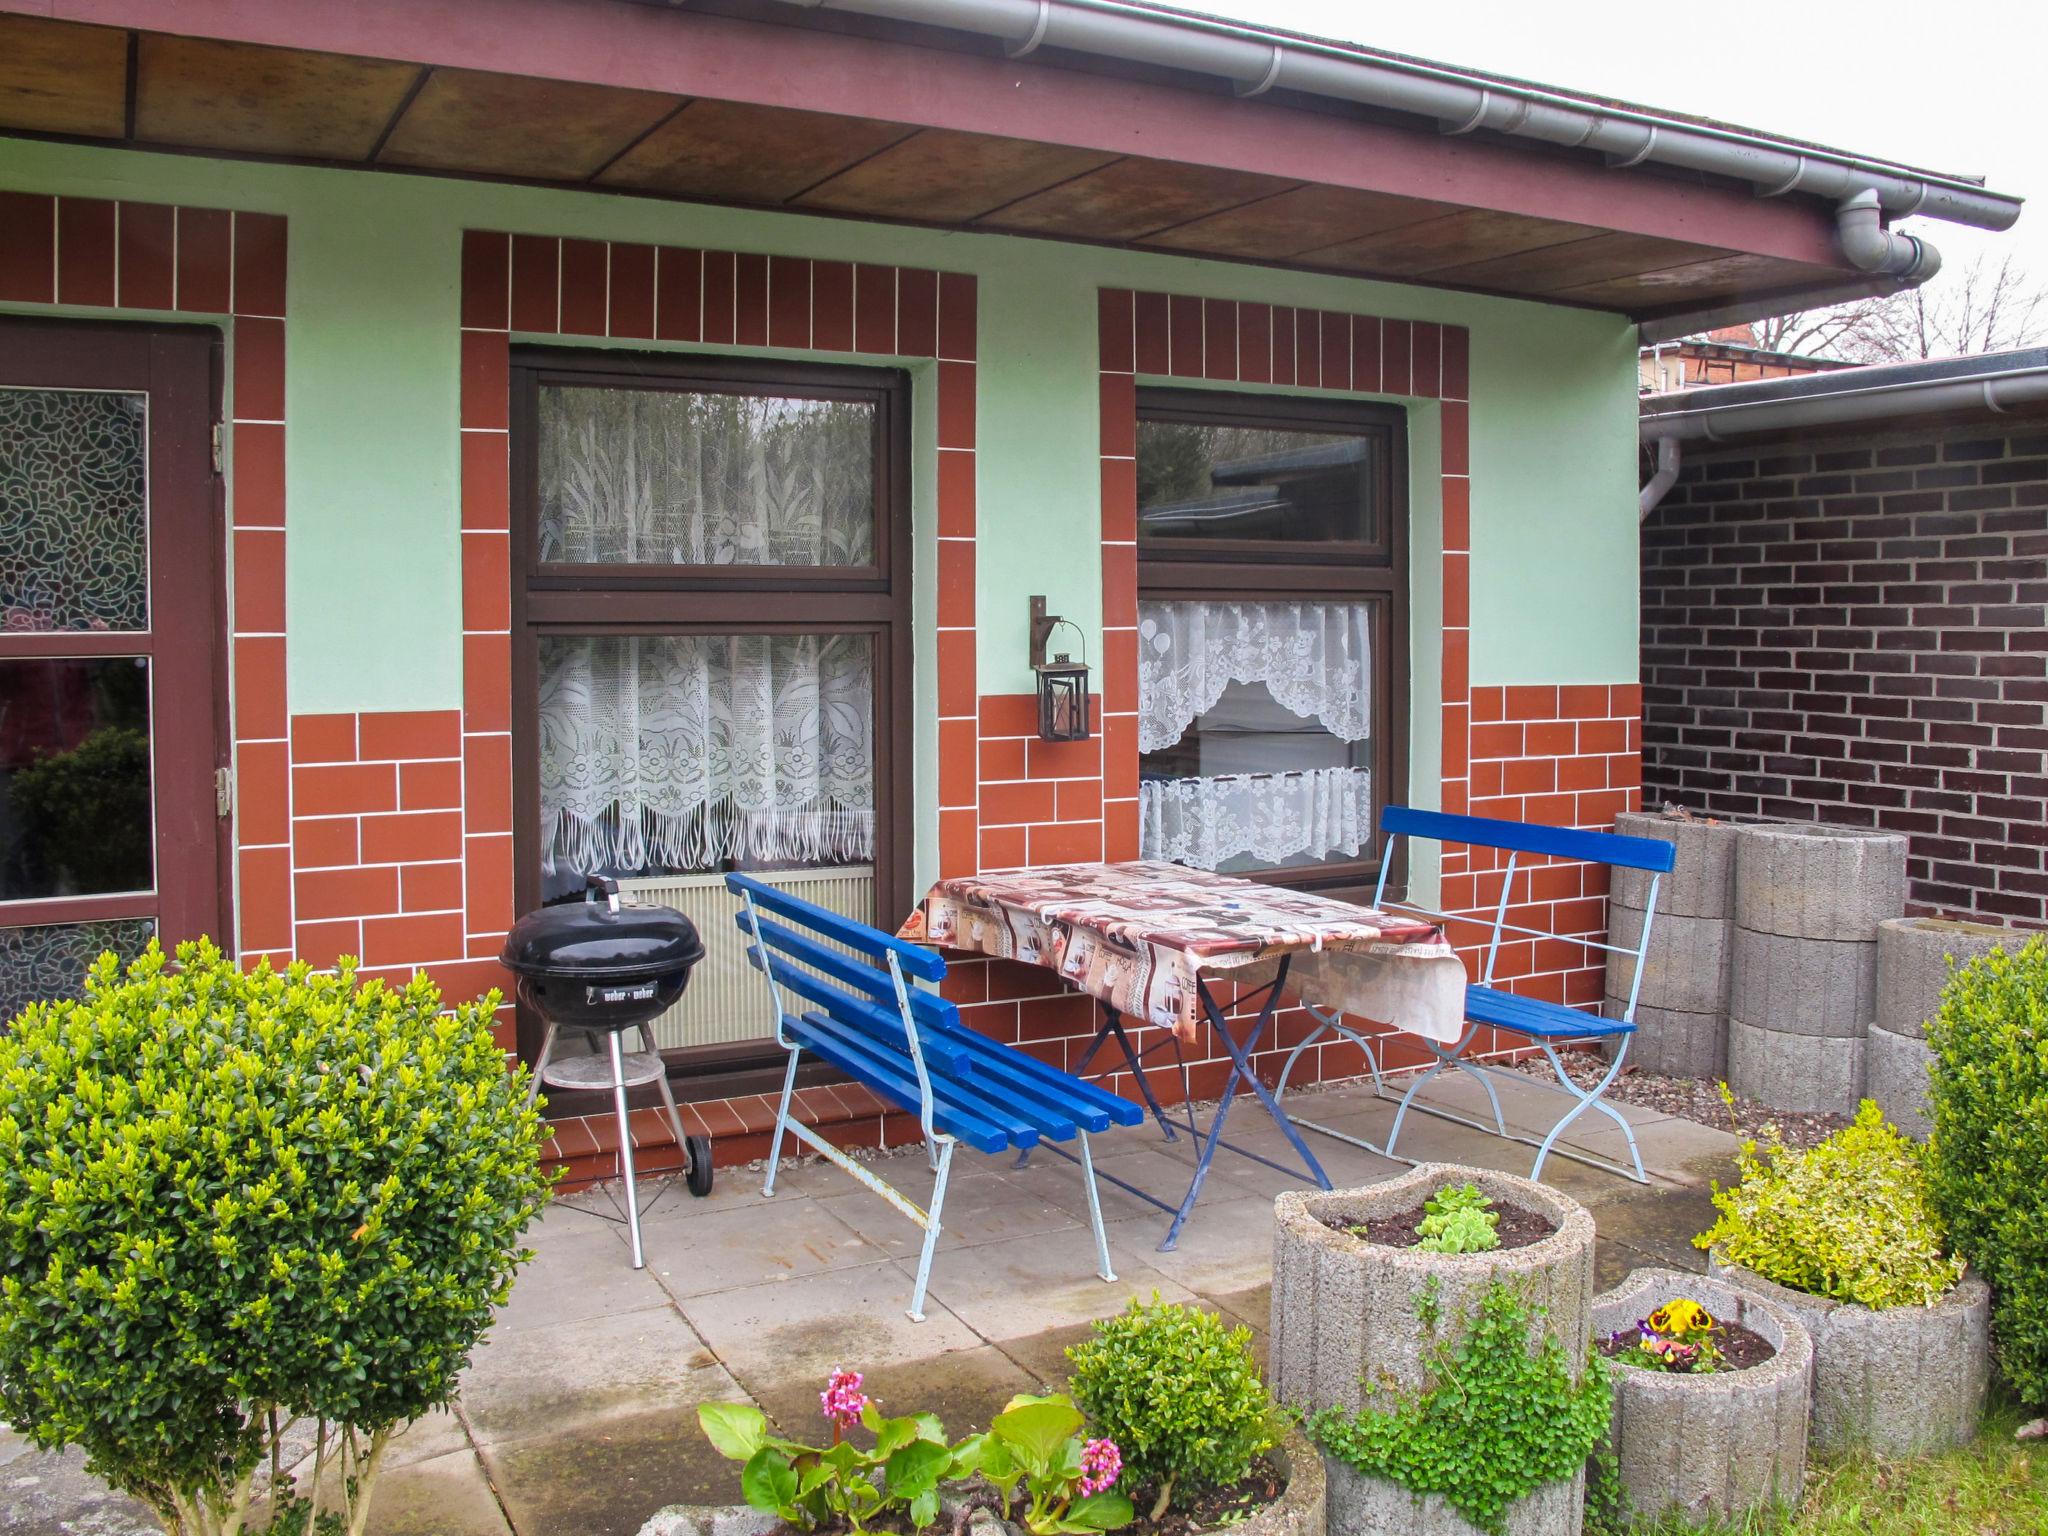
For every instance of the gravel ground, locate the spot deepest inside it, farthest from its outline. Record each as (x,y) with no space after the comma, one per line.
(1691,1098)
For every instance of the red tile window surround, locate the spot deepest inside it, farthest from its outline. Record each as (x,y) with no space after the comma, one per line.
(542,285)
(213,262)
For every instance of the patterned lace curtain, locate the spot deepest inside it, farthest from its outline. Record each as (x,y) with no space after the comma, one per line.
(1314,813)
(1315,658)
(668,477)
(686,752)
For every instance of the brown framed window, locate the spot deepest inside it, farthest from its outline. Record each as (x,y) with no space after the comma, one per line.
(112,696)
(711,657)
(1272,632)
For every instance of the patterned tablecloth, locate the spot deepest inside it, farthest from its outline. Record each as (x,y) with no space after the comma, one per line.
(1138,936)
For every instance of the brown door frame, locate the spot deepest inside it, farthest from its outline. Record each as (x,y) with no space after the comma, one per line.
(559,599)
(179,368)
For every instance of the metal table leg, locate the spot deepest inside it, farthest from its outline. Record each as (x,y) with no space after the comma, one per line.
(1241,1070)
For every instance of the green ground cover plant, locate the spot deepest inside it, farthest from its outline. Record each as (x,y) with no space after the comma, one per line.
(241,1206)
(1496,1421)
(1848,1219)
(1987,1163)
(1458,1219)
(1179,1392)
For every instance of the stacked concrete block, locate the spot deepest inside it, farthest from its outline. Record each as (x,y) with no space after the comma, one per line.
(1714,1447)
(1803,960)
(1682,1005)
(1913,955)
(1904,1381)
(1348,1313)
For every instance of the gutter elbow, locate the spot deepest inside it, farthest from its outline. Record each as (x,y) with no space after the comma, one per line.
(1870,247)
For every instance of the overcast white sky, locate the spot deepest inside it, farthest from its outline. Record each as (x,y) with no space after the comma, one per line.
(1952,85)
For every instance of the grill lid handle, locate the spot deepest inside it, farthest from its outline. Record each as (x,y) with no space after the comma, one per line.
(605,883)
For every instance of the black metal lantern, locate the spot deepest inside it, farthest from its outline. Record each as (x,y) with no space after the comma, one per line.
(1062,683)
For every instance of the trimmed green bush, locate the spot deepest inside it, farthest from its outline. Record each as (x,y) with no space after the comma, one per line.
(230,1201)
(1987,1163)
(1180,1394)
(1848,1219)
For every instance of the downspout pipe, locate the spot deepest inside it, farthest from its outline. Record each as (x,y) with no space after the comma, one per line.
(1256,61)
(1870,247)
(1670,459)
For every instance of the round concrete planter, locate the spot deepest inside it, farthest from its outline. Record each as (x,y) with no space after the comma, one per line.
(1895,1072)
(1344,1308)
(1686,969)
(1673,1042)
(1913,956)
(1373,1506)
(1899,1382)
(1815,882)
(1700,882)
(1301,1509)
(1717,1446)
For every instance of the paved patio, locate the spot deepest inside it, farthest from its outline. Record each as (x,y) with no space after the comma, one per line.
(577,1414)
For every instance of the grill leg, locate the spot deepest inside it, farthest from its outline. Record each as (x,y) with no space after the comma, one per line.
(626,1146)
(540,1063)
(668,1098)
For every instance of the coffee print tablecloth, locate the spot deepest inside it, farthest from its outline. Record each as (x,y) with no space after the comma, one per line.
(1139,936)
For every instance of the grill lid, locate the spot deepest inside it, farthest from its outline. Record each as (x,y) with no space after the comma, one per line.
(601,940)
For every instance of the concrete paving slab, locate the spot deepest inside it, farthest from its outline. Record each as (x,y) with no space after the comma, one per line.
(984,1207)
(427,1438)
(48,1493)
(804,1326)
(548,1383)
(607,1479)
(1226,1246)
(693,1253)
(443,1496)
(1031,1284)
(582,1268)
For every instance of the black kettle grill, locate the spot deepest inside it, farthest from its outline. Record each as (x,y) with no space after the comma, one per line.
(602,968)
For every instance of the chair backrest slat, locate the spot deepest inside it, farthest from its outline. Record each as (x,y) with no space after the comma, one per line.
(928,1007)
(1530,837)
(916,961)
(860,1013)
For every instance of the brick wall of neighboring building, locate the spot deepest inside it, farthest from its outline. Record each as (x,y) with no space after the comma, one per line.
(1852,631)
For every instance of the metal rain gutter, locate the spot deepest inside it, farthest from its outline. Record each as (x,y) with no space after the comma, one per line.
(1256,61)
(1999,392)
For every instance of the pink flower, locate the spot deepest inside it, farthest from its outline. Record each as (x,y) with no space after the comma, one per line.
(1101,1464)
(842,1401)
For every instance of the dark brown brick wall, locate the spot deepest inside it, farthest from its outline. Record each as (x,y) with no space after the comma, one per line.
(1852,631)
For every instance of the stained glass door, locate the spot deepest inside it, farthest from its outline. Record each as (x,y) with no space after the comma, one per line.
(110,709)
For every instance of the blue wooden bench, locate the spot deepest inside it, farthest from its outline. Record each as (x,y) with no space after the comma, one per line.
(844,992)
(1545,1024)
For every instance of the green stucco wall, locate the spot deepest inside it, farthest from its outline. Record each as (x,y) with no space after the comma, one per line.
(372,443)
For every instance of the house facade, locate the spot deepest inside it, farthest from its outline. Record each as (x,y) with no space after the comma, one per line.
(628,440)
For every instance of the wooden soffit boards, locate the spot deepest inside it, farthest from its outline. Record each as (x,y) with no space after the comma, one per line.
(514,125)
(277,101)
(59,78)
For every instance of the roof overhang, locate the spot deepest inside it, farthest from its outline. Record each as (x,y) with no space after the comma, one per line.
(766,104)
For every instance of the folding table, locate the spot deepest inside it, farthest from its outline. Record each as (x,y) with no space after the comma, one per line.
(1146,940)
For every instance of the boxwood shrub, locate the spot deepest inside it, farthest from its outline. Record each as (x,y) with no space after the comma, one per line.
(234,1200)
(1848,1219)
(1987,1161)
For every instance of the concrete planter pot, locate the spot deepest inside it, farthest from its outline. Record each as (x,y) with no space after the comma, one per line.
(1899,1382)
(1301,1509)
(1895,1073)
(1711,1447)
(1344,1308)
(1682,1005)
(1373,1506)
(1913,955)
(1344,1312)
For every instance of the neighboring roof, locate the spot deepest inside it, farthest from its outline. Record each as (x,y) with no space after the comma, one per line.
(1735,351)
(1993,383)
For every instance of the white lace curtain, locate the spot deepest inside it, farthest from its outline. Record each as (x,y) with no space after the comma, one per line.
(1314,813)
(683,752)
(1315,658)
(671,477)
